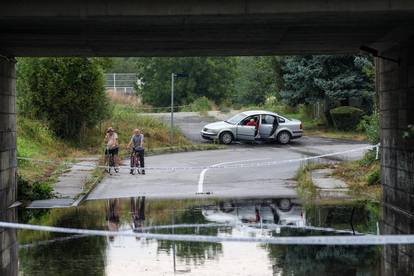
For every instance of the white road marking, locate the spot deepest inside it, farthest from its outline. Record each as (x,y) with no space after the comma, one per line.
(203,172)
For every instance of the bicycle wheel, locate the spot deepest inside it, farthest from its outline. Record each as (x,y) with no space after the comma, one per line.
(111,162)
(107,163)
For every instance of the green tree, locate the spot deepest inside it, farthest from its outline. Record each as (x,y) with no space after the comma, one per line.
(123,65)
(258,78)
(68,93)
(333,79)
(212,77)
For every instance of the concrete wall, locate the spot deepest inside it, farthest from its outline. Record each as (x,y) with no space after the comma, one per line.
(8,244)
(8,164)
(396,91)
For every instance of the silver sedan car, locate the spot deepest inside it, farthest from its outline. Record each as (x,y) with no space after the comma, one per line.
(252,126)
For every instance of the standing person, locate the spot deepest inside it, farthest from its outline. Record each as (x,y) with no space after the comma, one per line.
(137,143)
(138,213)
(112,146)
(112,216)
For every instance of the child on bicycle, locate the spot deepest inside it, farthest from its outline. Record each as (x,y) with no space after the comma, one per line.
(137,143)
(112,147)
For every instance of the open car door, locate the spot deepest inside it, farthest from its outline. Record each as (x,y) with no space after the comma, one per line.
(267,126)
(244,132)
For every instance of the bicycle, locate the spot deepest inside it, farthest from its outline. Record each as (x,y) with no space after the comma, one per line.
(110,161)
(135,163)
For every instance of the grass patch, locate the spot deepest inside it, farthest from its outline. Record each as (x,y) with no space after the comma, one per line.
(185,148)
(124,120)
(362,176)
(336,134)
(35,140)
(306,188)
(94,179)
(202,105)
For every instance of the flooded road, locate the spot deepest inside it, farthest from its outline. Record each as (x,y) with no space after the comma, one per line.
(45,253)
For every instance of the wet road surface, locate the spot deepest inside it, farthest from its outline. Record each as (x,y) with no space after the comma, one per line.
(248,179)
(58,254)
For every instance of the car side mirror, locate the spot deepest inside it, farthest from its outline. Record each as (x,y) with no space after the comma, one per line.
(281,120)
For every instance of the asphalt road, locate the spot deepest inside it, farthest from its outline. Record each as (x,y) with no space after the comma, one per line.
(249,179)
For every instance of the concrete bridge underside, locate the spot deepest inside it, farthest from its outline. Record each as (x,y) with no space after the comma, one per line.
(189,27)
(232,27)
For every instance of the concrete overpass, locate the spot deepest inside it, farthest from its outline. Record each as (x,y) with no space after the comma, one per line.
(190,27)
(225,27)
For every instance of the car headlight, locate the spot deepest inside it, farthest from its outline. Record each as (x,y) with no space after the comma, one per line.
(210,130)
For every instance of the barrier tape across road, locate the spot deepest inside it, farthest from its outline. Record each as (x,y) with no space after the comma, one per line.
(224,166)
(208,225)
(307,240)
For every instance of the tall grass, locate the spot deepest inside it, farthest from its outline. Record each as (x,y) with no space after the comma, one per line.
(124,120)
(201,104)
(118,98)
(35,140)
(156,133)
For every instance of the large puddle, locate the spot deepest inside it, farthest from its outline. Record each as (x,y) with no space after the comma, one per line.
(45,253)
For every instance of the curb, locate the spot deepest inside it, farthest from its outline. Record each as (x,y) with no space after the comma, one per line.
(85,195)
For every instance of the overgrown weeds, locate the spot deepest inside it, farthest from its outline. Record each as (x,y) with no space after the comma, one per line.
(362,176)
(35,140)
(306,188)
(130,100)
(202,105)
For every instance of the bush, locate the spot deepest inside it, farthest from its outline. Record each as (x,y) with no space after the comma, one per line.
(68,93)
(41,191)
(201,104)
(224,108)
(33,191)
(374,177)
(346,117)
(370,125)
(368,158)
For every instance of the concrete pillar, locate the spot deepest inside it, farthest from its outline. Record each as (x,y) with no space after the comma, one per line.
(8,245)
(396,91)
(8,165)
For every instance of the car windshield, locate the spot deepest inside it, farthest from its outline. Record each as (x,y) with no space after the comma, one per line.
(236,118)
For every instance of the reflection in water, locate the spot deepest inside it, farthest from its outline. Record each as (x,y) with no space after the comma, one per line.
(112,216)
(137,213)
(325,260)
(77,256)
(85,256)
(187,252)
(397,259)
(130,256)
(8,244)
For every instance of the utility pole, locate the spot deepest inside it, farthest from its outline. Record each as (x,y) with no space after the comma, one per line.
(172,109)
(173,76)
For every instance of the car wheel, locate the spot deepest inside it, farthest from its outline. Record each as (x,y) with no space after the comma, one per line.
(284,204)
(283,137)
(226,138)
